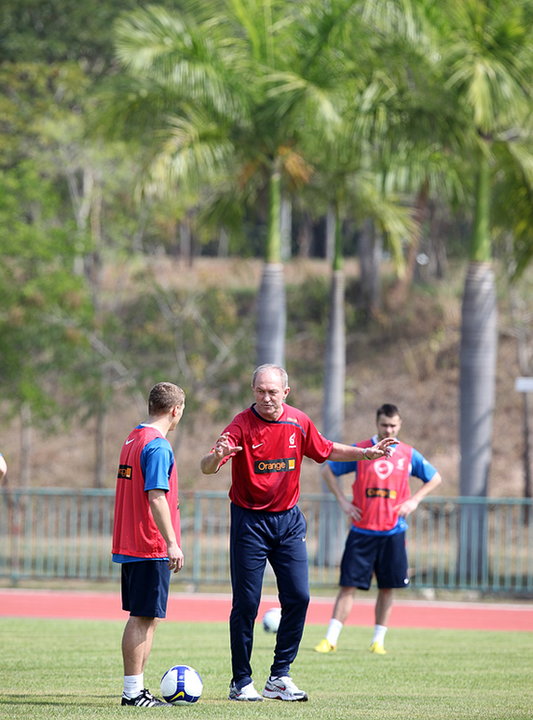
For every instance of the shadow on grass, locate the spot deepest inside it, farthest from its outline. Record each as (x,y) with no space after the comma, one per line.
(56,699)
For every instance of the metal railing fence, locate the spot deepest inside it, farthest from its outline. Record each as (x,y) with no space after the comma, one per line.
(453,543)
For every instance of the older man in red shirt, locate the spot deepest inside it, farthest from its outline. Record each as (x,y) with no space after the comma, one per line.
(267,443)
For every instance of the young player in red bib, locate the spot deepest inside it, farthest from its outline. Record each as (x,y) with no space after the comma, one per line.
(267,443)
(146,533)
(376,542)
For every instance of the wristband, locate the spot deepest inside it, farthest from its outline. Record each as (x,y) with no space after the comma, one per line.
(365,456)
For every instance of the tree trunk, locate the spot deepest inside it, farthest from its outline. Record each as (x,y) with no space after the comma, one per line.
(223,244)
(185,237)
(331,224)
(524,349)
(477,392)
(305,236)
(439,230)
(332,523)
(271,316)
(99,443)
(25,445)
(271,304)
(526,411)
(479,343)
(335,361)
(370,252)
(400,292)
(286,227)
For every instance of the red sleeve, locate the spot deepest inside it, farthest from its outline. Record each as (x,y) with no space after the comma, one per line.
(317,447)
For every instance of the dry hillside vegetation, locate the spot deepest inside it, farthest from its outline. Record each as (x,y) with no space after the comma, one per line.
(408,357)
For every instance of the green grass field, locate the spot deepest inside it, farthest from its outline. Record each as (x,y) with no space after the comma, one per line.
(72,669)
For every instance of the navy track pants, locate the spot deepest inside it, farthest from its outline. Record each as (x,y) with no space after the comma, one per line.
(256,537)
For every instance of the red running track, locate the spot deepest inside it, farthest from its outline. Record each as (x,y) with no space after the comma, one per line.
(199,607)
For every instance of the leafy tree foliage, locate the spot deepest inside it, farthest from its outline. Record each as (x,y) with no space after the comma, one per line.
(41,300)
(61,31)
(221,109)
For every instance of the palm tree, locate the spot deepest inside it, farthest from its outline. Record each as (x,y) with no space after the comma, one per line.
(485,59)
(377,159)
(354,197)
(225,93)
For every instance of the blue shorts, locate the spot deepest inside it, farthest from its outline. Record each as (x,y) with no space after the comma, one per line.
(145,586)
(384,555)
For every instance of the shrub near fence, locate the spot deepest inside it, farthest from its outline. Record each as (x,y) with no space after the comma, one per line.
(454,543)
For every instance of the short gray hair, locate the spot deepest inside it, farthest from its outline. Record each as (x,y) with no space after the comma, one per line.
(270,366)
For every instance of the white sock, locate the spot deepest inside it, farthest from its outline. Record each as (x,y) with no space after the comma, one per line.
(379,634)
(334,630)
(133,685)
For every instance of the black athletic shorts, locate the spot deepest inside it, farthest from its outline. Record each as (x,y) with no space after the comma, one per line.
(145,585)
(384,555)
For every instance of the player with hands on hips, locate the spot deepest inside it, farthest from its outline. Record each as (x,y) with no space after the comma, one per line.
(380,504)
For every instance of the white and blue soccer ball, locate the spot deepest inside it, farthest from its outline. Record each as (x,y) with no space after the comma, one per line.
(271,620)
(181,685)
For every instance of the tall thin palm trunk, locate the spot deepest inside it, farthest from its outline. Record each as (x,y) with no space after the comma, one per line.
(26,444)
(332,525)
(477,387)
(370,252)
(271,302)
(335,373)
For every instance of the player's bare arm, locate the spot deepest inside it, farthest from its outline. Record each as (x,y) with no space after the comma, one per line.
(343,452)
(411,504)
(161,515)
(211,462)
(333,484)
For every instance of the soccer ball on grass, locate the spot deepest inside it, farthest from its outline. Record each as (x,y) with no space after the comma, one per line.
(271,620)
(181,685)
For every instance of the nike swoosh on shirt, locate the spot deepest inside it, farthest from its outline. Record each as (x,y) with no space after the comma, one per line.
(129,441)
(257,445)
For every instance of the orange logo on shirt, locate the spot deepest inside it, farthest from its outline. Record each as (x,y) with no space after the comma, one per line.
(268,466)
(124,472)
(381,492)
